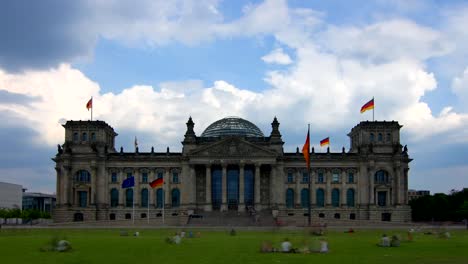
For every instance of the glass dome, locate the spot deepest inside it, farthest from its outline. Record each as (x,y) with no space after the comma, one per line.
(232,126)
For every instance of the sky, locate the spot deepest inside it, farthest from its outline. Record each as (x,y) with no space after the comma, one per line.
(151,64)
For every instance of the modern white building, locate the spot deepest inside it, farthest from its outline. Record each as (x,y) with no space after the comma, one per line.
(11,195)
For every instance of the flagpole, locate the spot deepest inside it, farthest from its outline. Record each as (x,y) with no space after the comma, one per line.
(163,194)
(133,203)
(148,204)
(373,108)
(308,176)
(91,108)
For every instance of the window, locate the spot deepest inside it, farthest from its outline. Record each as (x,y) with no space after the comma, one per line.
(160,174)
(175,198)
(159,198)
(143,215)
(289,198)
(78,217)
(335,197)
(82,199)
(84,137)
(322,215)
(144,198)
(372,137)
(290,177)
(320,178)
(129,174)
(305,198)
(114,197)
(128,216)
(380,137)
(350,177)
(112,217)
(93,136)
(129,198)
(382,198)
(75,137)
(114,177)
(320,197)
(144,177)
(337,216)
(386,217)
(305,177)
(335,177)
(389,137)
(175,177)
(381,177)
(352,216)
(83,176)
(350,198)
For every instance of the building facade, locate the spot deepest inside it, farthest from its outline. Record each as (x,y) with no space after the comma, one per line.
(232,166)
(39,201)
(415,194)
(10,195)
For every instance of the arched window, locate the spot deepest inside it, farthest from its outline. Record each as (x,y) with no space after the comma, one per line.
(83,176)
(335,197)
(350,177)
(144,198)
(129,197)
(159,198)
(381,176)
(389,137)
(350,197)
(320,197)
(93,136)
(305,198)
(320,177)
(290,177)
(175,177)
(305,177)
(84,137)
(76,137)
(380,137)
(144,177)
(372,137)
(175,197)
(290,198)
(114,197)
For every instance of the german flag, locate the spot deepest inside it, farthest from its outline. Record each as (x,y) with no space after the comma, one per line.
(367,106)
(156,183)
(306,149)
(325,141)
(89,104)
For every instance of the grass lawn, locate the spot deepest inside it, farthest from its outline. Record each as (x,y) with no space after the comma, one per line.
(107,246)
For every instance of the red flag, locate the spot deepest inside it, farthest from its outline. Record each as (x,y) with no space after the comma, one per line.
(89,105)
(306,149)
(367,106)
(157,183)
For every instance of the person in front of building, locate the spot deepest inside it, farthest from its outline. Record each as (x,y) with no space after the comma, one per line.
(286,246)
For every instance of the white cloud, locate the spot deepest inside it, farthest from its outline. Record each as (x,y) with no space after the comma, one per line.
(460,86)
(277,56)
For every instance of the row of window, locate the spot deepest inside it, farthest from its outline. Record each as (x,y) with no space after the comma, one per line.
(321,177)
(84,136)
(320,198)
(380,137)
(144,198)
(145,178)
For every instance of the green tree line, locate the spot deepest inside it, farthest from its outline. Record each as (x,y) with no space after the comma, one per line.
(28,214)
(441,207)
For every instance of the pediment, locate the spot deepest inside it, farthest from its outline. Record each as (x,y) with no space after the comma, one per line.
(233,147)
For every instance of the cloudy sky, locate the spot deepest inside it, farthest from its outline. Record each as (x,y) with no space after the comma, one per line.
(151,64)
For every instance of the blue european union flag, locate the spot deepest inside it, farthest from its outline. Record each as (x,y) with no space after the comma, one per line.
(129,182)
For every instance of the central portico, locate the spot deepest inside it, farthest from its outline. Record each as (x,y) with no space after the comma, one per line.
(233,164)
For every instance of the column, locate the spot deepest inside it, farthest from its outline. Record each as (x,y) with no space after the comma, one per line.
(208,206)
(223,188)
(151,191)
(93,186)
(121,191)
(67,186)
(312,190)
(397,186)
(241,187)
(343,188)
(136,189)
(167,187)
(298,178)
(371,188)
(328,189)
(191,187)
(58,187)
(257,186)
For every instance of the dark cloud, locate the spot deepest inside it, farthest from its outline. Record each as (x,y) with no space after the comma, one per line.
(15,98)
(42,34)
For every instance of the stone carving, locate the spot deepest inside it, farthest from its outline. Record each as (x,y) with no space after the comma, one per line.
(233,147)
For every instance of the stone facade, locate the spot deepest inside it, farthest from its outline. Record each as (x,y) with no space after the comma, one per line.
(232,166)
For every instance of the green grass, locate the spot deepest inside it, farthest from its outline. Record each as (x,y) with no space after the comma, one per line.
(107,246)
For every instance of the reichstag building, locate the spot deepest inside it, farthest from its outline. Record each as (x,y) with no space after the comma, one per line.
(232,167)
